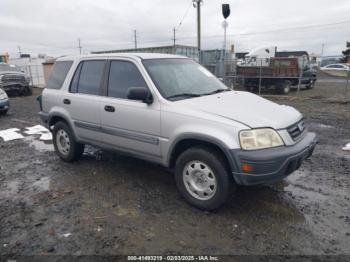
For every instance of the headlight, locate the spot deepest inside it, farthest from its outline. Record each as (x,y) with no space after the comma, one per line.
(3,95)
(259,138)
(28,79)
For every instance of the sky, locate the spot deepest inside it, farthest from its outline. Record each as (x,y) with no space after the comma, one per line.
(53,27)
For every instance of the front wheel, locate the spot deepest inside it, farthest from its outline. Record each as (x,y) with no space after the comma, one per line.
(202,178)
(63,140)
(27,91)
(283,87)
(311,85)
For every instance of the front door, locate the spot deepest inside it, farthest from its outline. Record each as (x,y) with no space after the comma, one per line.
(129,125)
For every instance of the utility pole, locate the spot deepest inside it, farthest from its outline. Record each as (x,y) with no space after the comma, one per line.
(197,4)
(225,12)
(19,50)
(135,39)
(174,31)
(79,46)
(322,50)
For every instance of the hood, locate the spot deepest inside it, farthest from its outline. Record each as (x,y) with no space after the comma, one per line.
(246,108)
(11,73)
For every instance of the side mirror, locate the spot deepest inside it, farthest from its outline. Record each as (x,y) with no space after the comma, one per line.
(140,93)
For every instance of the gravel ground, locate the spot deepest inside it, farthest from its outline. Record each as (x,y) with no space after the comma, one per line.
(111,204)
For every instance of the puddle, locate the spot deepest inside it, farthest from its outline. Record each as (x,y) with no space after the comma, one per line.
(322,126)
(306,194)
(39,145)
(93,152)
(43,184)
(298,188)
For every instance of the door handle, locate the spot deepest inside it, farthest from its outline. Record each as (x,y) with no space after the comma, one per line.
(66,101)
(109,108)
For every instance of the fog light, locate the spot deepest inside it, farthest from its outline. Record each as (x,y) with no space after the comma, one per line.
(247,168)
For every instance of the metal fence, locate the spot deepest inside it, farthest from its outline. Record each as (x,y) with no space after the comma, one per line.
(32,67)
(282,75)
(36,73)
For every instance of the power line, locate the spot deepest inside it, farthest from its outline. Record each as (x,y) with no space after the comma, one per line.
(184,16)
(285,29)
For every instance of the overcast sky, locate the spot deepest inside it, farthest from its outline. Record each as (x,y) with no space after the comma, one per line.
(53,27)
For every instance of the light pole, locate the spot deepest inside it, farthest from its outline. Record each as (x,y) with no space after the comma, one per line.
(197,4)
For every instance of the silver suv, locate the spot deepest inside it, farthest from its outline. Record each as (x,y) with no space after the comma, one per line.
(170,110)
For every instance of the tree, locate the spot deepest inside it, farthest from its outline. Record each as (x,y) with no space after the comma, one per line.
(346,54)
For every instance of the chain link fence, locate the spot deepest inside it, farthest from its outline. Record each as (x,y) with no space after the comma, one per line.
(33,67)
(36,73)
(269,76)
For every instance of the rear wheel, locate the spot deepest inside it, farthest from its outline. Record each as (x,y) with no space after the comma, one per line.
(66,147)
(3,112)
(202,178)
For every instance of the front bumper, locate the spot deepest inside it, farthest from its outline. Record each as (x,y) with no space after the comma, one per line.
(4,105)
(45,118)
(273,164)
(13,86)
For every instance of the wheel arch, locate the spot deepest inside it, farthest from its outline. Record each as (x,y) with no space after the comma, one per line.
(57,117)
(184,142)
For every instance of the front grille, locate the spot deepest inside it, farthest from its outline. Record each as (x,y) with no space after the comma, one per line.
(296,130)
(13,78)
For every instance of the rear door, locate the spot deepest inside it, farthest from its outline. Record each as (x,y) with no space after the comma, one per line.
(126,124)
(82,100)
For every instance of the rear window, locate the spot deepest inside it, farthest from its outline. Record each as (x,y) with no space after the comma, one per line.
(283,63)
(58,74)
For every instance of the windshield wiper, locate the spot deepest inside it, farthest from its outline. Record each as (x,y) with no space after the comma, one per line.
(183,95)
(216,91)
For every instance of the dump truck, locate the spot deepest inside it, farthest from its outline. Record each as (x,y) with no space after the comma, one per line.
(279,73)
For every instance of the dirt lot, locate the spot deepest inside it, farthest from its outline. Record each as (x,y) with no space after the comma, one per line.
(111,204)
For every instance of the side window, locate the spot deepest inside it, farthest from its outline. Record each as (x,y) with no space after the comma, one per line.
(122,75)
(58,74)
(89,81)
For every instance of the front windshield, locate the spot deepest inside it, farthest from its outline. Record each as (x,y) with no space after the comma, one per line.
(178,78)
(7,67)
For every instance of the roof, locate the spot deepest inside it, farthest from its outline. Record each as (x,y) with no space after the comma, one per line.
(155,49)
(123,55)
(292,53)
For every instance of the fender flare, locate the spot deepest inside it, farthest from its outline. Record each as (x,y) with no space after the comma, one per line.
(206,139)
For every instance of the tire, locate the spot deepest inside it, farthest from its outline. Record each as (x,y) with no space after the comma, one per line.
(200,169)
(27,91)
(65,145)
(311,85)
(3,112)
(283,87)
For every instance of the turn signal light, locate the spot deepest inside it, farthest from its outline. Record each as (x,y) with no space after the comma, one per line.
(247,168)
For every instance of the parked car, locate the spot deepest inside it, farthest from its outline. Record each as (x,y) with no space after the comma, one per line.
(172,111)
(336,67)
(4,102)
(13,80)
(338,70)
